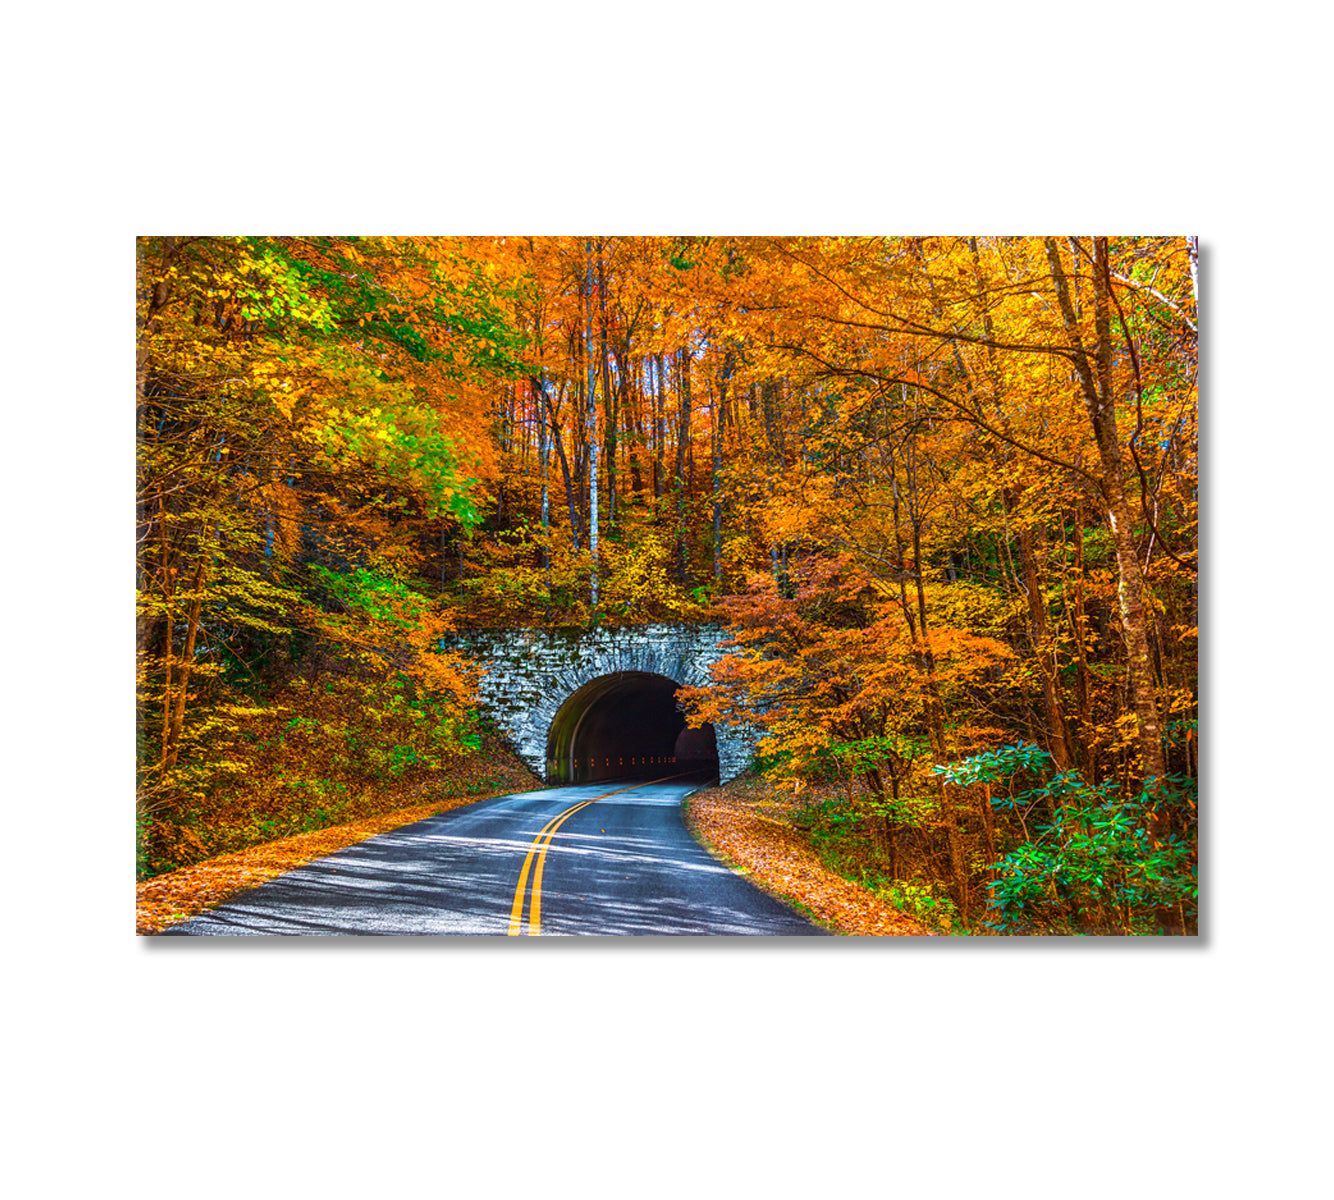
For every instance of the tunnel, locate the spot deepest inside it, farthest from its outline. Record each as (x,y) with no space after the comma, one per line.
(626,726)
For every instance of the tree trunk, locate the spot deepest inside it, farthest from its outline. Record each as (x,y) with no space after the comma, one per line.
(682,442)
(1044,650)
(592,434)
(1095,378)
(634,409)
(610,401)
(958,866)
(172,743)
(660,430)
(719,414)
(539,389)
(570,489)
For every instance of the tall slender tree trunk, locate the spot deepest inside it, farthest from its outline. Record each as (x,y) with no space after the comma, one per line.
(630,388)
(716,485)
(156,299)
(1095,377)
(610,400)
(571,492)
(171,748)
(538,384)
(1044,650)
(719,415)
(592,433)
(660,428)
(1083,688)
(768,401)
(682,442)
(935,707)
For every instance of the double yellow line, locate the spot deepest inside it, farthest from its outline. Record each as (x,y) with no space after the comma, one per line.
(537,853)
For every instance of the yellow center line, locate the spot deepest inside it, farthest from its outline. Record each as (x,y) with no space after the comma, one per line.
(538,850)
(535,904)
(516,913)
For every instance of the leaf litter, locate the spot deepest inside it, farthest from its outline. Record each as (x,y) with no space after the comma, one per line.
(748,824)
(168,899)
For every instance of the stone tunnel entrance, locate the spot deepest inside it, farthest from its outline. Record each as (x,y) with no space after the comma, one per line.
(575,701)
(626,726)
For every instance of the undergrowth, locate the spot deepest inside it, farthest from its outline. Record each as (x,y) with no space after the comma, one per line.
(1054,856)
(836,831)
(289,798)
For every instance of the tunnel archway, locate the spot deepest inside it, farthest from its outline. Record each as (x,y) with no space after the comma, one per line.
(626,725)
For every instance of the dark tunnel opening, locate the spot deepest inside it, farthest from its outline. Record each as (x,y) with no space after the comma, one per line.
(626,726)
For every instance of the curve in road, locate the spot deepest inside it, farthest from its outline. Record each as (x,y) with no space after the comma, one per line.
(588,859)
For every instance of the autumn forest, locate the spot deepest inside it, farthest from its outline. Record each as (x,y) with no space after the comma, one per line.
(940,492)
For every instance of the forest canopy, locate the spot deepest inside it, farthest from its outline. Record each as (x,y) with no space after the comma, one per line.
(940,490)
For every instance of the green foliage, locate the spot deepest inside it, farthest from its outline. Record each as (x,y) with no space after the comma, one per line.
(995,765)
(878,751)
(326,754)
(1100,862)
(924,900)
(303,405)
(836,829)
(274,290)
(1177,733)
(401,439)
(375,596)
(143,854)
(1098,867)
(482,786)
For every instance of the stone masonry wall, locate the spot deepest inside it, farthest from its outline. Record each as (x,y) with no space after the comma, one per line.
(532,672)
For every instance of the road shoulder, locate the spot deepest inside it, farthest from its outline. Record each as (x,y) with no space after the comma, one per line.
(168,899)
(741,824)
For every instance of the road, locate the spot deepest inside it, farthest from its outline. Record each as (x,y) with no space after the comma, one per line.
(598,858)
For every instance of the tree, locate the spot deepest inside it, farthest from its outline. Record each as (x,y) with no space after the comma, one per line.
(305,407)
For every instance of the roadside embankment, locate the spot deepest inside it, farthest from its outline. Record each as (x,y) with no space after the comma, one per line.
(166,899)
(747,825)
(176,895)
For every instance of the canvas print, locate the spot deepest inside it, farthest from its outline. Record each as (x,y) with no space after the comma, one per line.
(667,585)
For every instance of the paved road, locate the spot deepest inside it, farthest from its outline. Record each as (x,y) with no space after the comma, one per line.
(601,858)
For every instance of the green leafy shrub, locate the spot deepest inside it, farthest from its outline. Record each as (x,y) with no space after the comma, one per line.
(1099,862)
(923,900)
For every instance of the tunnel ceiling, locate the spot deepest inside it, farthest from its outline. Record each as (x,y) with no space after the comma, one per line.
(624,725)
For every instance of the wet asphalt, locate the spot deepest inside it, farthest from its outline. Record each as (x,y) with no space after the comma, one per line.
(624,865)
